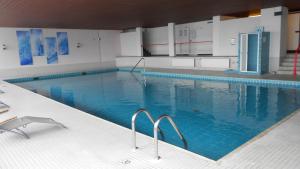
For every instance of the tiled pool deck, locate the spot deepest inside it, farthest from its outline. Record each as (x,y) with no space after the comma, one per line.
(93,143)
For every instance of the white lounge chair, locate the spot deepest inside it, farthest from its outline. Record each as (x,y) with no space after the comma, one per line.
(13,125)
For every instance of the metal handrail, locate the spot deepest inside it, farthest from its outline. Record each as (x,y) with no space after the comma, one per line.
(133,119)
(155,130)
(138,64)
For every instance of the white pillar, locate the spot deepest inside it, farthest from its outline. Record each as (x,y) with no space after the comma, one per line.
(171,37)
(139,32)
(216,35)
(276,25)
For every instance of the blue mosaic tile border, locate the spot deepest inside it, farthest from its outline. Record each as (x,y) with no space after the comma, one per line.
(57,76)
(128,69)
(264,82)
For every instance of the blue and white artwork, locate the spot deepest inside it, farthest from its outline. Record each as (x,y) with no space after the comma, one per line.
(25,53)
(51,45)
(37,42)
(63,44)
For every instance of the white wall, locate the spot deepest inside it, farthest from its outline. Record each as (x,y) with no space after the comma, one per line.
(194,32)
(201,63)
(128,44)
(227,30)
(139,43)
(293,25)
(110,45)
(154,38)
(277,26)
(171,39)
(89,56)
(131,43)
(224,31)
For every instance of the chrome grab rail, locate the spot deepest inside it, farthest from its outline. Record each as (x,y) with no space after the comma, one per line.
(138,64)
(155,130)
(133,119)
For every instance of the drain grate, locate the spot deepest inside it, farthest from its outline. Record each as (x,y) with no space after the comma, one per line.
(125,162)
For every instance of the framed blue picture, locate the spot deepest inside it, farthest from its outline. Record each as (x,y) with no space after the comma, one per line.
(52,57)
(25,53)
(63,43)
(37,42)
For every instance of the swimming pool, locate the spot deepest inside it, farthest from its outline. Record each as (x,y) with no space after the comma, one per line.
(214,117)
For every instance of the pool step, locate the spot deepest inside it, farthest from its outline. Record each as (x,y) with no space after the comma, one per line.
(287,72)
(287,65)
(290,59)
(288,68)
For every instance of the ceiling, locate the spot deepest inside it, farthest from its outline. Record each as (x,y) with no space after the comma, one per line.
(121,14)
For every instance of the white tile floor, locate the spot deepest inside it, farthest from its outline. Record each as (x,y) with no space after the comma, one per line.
(93,143)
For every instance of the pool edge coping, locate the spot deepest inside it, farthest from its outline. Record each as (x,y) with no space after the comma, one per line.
(58,75)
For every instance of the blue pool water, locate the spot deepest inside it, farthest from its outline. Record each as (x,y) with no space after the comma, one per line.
(214,117)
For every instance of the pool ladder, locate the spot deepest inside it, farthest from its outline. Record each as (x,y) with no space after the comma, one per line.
(138,64)
(156,129)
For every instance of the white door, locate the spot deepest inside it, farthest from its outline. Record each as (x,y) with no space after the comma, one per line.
(243,52)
